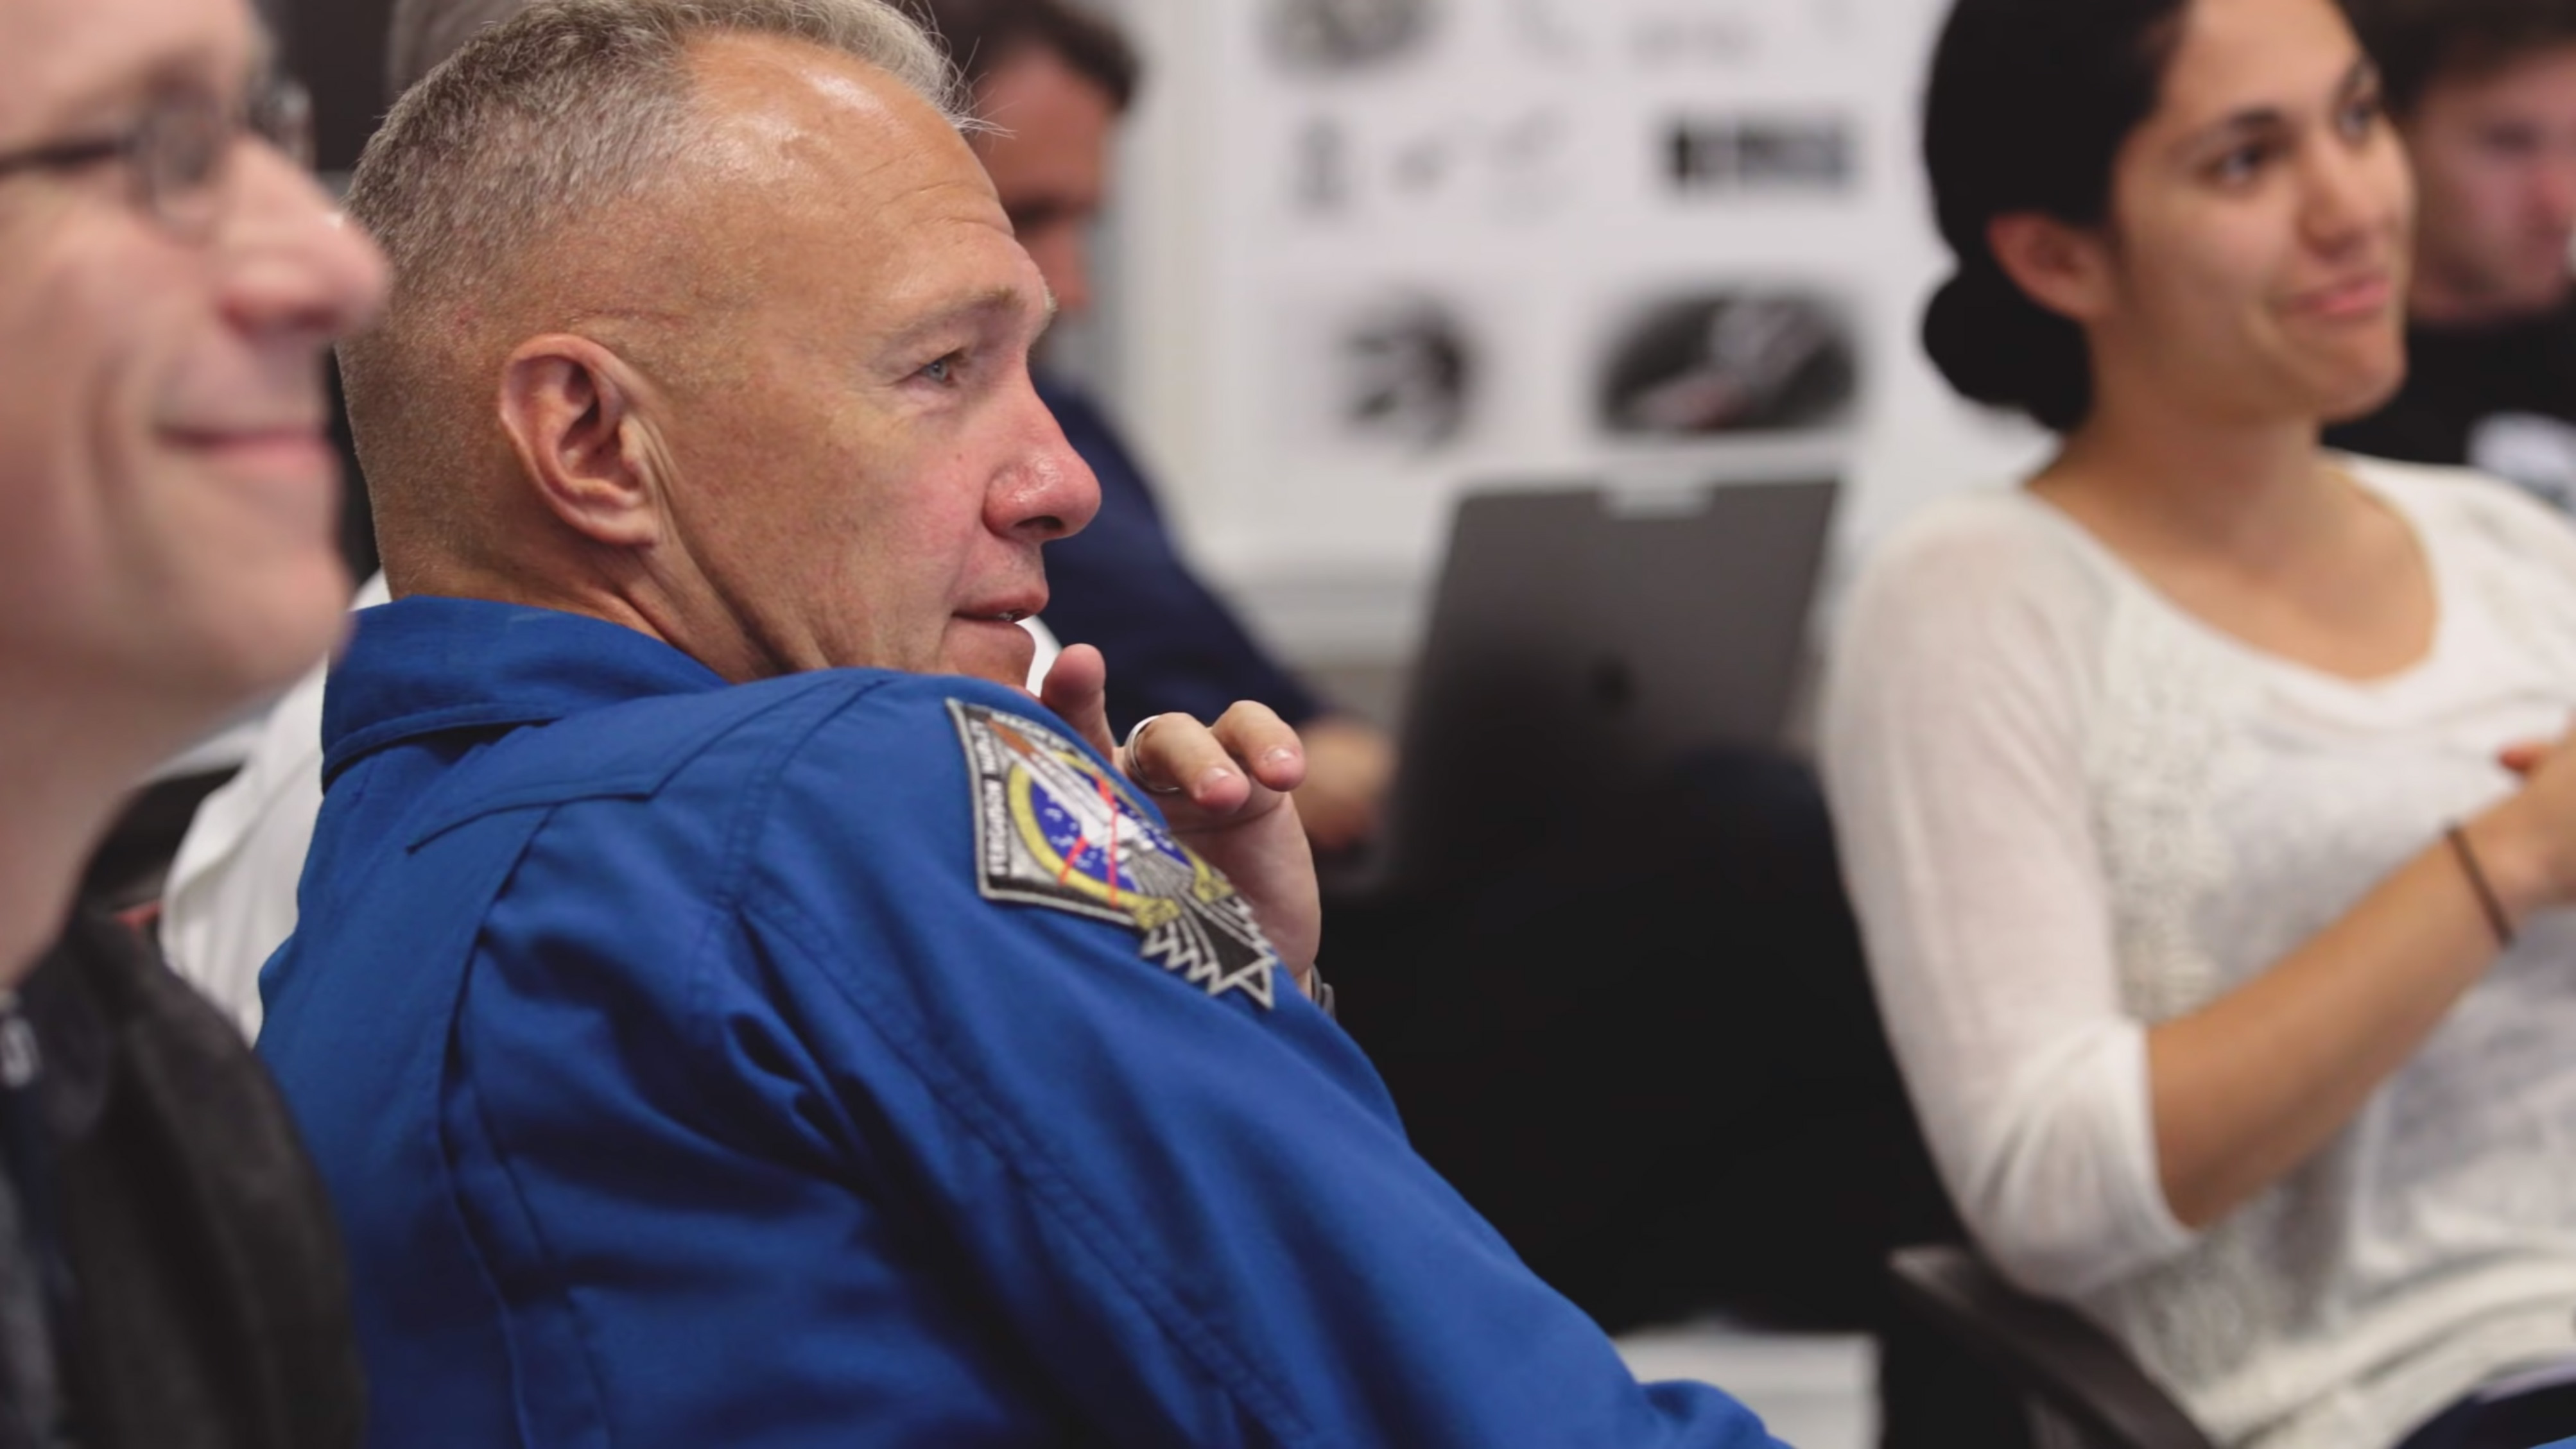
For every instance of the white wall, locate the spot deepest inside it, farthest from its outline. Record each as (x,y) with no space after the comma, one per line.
(1224,286)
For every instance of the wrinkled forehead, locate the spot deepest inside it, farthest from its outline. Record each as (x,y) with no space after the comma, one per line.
(795,115)
(812,163)
(67,63)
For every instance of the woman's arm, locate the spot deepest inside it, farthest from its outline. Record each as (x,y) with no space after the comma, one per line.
(2248,1087)
(1954,760)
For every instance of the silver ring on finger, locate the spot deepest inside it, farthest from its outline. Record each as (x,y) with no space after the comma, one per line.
(1127,759)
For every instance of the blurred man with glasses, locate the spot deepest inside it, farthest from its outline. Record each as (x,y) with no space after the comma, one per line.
(168,278)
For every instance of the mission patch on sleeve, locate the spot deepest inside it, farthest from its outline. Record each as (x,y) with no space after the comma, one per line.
(1052,828)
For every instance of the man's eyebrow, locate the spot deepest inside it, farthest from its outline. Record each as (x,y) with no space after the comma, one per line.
(190,64)
(989,305)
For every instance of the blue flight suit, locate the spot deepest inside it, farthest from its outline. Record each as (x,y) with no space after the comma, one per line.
(1171,643)
(848,1059)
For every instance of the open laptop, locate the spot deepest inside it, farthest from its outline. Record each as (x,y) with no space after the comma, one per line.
(1580,640)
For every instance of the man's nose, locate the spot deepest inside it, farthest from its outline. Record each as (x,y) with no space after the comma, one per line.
(1049,492)
(291,265)
(2555,186)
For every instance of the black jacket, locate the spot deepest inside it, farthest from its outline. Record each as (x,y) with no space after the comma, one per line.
(209,1306)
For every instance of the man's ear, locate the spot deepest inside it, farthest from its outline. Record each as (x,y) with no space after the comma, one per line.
(571,409)
(2064,268)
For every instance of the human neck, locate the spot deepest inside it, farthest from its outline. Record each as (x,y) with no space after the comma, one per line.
(73,754)
(2149,477)
(608,585)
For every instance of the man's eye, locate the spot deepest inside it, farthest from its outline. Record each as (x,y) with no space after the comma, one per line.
(942,370)
(2515,141)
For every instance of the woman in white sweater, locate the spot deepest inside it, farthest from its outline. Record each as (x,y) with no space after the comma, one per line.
(2202,798)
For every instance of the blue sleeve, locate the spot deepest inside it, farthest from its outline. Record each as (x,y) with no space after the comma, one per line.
(1121,585)
(1198,1210)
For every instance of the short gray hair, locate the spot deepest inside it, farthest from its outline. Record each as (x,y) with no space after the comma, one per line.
(538,124)
(571,106)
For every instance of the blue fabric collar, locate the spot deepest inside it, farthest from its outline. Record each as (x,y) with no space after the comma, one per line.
(424,665)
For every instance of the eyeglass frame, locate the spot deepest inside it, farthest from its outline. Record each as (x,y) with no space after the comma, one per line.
(277,110)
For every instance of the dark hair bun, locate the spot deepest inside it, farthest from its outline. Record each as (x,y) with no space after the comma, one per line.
(1998,347)
(2028,106)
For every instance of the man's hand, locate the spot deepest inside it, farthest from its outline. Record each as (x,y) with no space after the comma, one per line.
(1225,790)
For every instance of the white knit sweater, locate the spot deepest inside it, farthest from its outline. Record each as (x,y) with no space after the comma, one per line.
(2069,810)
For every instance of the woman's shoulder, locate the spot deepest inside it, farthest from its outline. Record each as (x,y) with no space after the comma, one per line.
(2455,501)
(1971,553)
(2003,515)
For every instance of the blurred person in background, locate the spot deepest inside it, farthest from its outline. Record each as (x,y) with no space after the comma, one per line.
(728,1008)
(169,1274)
(2208,869)
(1052,80)
(2484,95)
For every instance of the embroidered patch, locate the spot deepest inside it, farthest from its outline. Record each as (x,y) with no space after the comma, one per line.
(1052,828)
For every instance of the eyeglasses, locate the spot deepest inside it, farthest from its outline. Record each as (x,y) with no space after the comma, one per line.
(177,152)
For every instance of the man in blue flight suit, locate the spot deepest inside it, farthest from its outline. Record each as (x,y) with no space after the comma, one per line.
(719,1022)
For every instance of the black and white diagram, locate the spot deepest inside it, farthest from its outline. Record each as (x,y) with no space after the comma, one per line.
(1333,36)
(1404,373)
(1731,360)
(1664,34)
(1509,167)
(1759,155)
